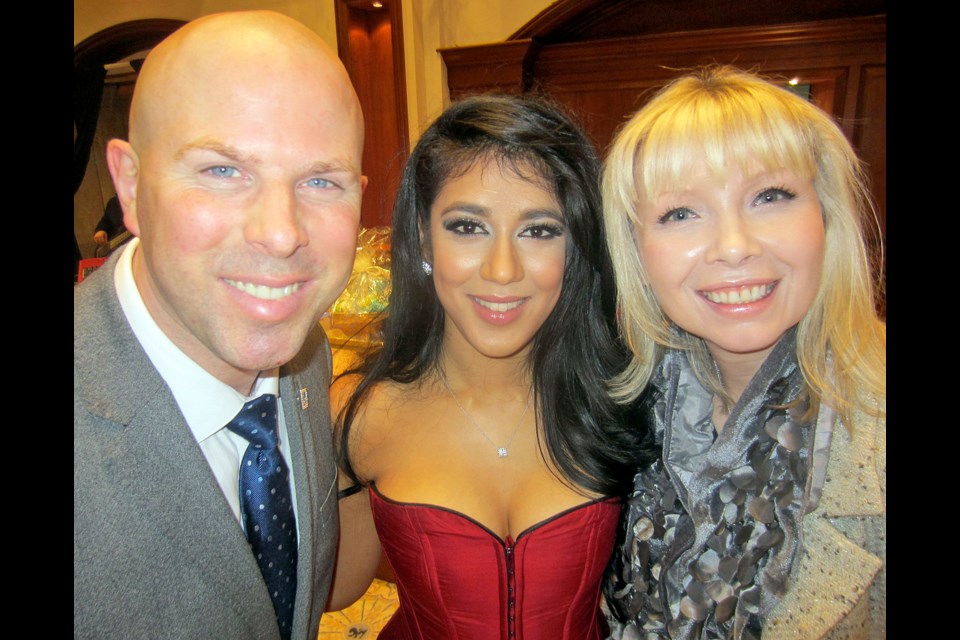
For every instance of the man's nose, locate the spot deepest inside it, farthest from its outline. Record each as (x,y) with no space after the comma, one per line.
(275,223)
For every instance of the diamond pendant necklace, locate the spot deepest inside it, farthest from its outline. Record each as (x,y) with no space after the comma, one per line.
(501,451)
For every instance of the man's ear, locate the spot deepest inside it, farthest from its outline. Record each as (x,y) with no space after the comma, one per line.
(124,165)
(363,184)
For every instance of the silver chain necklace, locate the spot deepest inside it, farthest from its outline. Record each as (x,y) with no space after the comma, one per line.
(501,451)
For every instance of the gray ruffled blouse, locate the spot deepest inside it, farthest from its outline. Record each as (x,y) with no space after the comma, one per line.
(711,532)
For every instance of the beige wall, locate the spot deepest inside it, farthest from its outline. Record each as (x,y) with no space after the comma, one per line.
(427,26)
(435,24)
(90,16)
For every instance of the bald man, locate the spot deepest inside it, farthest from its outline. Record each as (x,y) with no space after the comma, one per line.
(241,182)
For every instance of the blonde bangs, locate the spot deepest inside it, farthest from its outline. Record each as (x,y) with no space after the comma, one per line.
(733,125)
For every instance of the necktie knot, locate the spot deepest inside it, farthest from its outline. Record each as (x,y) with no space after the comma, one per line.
(257,422)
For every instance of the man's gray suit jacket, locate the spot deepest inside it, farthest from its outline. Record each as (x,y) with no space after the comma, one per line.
(157,550)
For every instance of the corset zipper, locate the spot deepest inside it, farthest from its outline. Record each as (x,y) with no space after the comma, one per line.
(511,593)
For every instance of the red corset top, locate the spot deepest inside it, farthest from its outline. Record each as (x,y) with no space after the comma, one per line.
(457,580)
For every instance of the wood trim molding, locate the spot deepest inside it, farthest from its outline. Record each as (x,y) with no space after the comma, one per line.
(821,32)
(121,40)
(558,15)
(769,49)
(504,66)
(511,66)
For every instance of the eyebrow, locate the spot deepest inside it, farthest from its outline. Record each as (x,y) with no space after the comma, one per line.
(483,212)
(217,147)
(234,154)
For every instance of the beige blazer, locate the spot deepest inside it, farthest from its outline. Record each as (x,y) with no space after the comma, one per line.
(840,587)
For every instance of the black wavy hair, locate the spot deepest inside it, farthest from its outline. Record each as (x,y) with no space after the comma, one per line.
(595,443)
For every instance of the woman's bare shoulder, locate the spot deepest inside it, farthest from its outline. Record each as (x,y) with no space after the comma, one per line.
(386,402)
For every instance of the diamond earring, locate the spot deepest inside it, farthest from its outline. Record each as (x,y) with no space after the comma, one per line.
(427,268)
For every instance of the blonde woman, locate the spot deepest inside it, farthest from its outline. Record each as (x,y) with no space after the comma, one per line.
(736,215)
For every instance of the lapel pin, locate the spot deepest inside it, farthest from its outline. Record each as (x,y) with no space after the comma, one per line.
(304,400)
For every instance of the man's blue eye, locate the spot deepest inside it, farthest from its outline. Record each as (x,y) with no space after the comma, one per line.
(319,183)
(223,171)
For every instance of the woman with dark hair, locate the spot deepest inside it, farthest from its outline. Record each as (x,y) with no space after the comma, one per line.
(490,455)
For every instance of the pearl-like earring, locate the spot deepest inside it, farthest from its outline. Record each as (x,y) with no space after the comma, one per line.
(427,268)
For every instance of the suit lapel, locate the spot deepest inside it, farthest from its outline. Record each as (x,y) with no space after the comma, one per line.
(305,410)
(298,441)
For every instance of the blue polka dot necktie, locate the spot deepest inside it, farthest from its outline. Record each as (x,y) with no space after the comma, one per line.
(267,505)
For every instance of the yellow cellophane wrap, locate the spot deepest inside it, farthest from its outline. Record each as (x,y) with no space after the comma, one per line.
(353,321)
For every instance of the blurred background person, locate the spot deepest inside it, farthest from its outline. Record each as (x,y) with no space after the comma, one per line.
(109,227)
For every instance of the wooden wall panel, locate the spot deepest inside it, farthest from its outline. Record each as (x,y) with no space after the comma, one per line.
(371,47)
(606,81)
(870,131)
(870,138)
